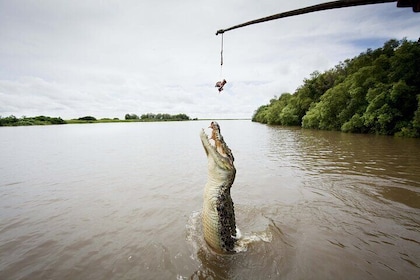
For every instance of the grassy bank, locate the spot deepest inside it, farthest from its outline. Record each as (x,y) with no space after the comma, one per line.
(44,120)
(78,121)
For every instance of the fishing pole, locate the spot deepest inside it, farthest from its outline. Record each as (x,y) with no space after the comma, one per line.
(415,4)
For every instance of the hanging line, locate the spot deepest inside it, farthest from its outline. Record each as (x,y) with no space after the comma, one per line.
(221,59)
(221,53)
(222,81)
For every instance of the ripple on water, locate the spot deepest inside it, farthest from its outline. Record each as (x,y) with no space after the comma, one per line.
(113,201)
(257,250)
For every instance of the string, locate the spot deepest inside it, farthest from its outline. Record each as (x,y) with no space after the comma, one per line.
(221,53)
(221,59)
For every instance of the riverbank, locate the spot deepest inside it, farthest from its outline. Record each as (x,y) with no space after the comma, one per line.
(44,120)
(376,92)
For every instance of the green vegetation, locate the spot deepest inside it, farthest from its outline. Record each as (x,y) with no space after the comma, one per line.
(164,117)
(131,117)
(88,118)
(150,117)
(376,92)
(40,120)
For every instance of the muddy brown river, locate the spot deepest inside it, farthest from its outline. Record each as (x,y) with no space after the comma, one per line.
(123,201)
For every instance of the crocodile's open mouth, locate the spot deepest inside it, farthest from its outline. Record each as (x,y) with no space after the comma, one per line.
(219,144)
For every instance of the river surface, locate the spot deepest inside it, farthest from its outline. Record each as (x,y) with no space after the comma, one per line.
(123,201)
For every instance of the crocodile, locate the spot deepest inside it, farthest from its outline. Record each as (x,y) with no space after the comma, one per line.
(218,216)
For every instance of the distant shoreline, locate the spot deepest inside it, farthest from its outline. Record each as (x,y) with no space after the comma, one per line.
(140,120)
(43,120)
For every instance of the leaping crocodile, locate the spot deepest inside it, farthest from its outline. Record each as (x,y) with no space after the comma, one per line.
(218,215)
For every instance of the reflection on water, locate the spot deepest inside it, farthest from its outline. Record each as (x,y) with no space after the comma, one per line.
(123,201)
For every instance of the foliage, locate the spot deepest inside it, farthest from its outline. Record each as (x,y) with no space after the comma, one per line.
(131,117)
(164,117)
(43,120)
(87,118)
(375,92)
(39,120)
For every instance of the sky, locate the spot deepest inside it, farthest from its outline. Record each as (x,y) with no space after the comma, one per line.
(105,59)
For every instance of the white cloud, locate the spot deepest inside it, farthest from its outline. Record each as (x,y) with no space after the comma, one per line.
(107,59)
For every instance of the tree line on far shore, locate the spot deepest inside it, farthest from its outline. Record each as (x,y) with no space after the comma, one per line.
(24,121)
(158,117)
(376,92)
(45,120)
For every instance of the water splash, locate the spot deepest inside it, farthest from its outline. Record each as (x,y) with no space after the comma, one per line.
(195,235)
(244,241)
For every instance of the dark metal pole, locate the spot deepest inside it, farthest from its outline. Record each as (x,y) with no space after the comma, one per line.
(310,9)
